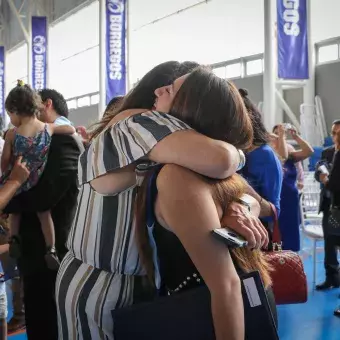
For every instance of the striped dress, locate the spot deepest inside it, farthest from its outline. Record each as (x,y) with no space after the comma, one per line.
(100,271)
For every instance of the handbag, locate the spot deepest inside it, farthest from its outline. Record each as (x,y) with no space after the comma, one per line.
(288,276)
(187,315)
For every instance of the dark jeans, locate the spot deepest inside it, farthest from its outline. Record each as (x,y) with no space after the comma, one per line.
(40,307)
(331,243)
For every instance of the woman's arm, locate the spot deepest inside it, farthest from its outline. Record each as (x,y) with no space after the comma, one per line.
(186,205)
(264,205)
(305,151)
(61,129)
(281,146)
(190,149)
(7,151)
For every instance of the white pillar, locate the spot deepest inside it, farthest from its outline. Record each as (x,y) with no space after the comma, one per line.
(269,76)
(29,43)
(102,57)
(127,63)
(309,89)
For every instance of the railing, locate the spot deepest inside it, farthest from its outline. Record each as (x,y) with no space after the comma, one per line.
(240,68)
(83,100)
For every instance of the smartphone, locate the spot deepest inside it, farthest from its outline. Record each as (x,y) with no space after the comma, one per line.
(230,238)
(288,126)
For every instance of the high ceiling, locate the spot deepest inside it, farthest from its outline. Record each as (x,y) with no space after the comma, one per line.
(12,33)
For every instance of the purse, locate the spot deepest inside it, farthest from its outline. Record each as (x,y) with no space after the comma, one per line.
(187,315)
(288,276)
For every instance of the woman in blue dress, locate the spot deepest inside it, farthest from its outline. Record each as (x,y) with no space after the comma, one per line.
(289,219)
(263,169)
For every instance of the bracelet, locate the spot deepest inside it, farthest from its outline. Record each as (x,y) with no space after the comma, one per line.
(242,161)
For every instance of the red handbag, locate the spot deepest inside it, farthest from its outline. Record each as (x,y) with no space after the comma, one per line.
(288,276)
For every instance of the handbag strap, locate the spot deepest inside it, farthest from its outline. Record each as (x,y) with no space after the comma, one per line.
(276,230)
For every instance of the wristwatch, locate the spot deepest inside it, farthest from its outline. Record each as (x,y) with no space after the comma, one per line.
(245,201)
(242,160)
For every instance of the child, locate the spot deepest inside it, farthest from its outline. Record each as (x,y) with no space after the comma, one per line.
(31,139)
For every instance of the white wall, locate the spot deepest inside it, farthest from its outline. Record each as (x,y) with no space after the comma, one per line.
(212,32)
(325,19)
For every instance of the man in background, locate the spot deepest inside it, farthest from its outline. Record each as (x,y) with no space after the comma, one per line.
(57,191)
(331,242)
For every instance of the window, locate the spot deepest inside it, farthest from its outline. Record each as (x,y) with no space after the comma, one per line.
(233,70)
(84,101)
(95,99)
(220,72)
(328,53)
(254,67)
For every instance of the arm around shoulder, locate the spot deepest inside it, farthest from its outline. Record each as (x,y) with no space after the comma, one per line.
(194,151)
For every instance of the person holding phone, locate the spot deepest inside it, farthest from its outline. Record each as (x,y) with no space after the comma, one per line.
(289,219)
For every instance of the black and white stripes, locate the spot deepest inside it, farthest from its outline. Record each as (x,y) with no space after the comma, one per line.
(98,273)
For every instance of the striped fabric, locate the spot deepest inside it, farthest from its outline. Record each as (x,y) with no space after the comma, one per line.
(98,273)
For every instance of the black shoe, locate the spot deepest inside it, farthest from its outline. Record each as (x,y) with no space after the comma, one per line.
(328,284)
(51,259)
(337,312)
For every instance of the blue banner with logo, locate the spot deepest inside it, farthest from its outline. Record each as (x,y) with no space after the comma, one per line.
(2,84)
(292,39)
(39,52)
(115,49)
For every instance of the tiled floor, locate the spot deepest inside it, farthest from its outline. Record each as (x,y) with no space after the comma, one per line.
(311,321)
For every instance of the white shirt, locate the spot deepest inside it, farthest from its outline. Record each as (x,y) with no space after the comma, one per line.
(62,121)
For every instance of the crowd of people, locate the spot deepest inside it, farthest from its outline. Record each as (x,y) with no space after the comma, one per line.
(76,201)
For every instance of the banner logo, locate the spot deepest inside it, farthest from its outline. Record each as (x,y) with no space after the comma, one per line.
(39,52)
(2,82)
(115,49)
(292,39)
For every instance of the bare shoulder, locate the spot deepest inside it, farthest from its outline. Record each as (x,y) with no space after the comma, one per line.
(175,177)
(10,134)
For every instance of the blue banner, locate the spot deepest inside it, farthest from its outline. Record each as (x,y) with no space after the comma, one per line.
(115,49)
(2,84)
(39,52)
(292,39)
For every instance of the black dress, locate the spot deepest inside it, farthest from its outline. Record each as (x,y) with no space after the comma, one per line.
(177,271)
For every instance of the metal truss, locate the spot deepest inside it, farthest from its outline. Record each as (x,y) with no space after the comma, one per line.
(24,9)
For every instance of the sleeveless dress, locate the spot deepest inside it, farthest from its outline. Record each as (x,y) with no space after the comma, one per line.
(102,270)
(175,267)
(34,151)
(289,219)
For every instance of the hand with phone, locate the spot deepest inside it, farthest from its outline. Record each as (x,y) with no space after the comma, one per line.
(241,222)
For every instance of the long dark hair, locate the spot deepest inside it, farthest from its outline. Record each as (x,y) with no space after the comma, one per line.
(142,96)
(215,108)
(261,135)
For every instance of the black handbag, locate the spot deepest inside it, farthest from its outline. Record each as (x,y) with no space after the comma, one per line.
(334,221)
(187,315)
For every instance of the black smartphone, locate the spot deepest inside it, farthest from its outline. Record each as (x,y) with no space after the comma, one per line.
(230,238)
